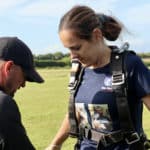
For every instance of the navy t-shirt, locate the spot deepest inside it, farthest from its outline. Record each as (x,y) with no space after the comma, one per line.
(96,104)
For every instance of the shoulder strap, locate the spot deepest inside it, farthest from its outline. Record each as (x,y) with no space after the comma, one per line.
(119,85)
(75,79)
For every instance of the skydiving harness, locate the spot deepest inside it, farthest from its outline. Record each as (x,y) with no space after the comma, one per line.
(119,86)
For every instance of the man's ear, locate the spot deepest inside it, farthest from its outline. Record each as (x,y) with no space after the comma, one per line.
(7,67)
(97,34)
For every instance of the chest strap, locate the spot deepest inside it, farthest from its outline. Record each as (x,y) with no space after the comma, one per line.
(101,138)
(107,139)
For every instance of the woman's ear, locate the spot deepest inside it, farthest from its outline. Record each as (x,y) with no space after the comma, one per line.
(7,67)
(97,34)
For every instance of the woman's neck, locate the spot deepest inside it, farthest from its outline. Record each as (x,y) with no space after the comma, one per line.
(103,58)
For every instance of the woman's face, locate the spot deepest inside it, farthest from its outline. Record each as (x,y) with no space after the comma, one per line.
(83,50)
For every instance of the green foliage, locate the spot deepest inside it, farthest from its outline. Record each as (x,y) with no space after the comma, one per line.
(144,55)
(147,63)
(58,59)
(50,56)
(43,107)
(49,63)
(66,60)
(58,55)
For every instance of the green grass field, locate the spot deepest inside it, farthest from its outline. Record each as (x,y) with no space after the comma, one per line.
(43,107)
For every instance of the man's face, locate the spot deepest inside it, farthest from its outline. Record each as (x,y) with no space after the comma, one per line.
(14,79)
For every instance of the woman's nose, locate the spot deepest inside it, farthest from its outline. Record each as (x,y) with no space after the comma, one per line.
(73,54)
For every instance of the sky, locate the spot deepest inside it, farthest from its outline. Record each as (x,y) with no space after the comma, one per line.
(36,21)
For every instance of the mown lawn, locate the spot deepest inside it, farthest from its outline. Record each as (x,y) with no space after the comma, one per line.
(43,107)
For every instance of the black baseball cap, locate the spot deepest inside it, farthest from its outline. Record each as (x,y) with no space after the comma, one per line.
(12,48)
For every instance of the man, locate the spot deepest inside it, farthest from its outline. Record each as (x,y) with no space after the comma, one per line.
(16,67)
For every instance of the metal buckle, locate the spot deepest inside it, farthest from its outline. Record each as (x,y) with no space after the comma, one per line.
(104,141)
(109,139)
(147,144)
(118,79)
(116,136)
(72,85)
(134,137)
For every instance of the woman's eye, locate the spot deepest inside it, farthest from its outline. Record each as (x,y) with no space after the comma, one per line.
(76,48)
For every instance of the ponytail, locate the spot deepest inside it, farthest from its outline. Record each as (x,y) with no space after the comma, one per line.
(110,27)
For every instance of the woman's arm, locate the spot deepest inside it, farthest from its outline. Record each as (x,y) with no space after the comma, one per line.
(146,101)
(61,135)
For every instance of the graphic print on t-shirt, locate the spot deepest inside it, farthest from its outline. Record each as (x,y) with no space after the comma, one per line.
(95,116)
(107,84)
(82,114)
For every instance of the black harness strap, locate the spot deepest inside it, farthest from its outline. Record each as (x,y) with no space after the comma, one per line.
(75,80)
(119,86)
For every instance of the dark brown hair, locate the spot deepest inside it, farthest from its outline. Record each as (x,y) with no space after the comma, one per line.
(83,20)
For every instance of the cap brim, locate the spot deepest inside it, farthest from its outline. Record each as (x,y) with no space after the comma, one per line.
(33,76)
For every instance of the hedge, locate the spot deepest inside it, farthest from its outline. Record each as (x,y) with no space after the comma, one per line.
(50,63)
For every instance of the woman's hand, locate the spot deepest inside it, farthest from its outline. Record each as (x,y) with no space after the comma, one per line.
(53,147)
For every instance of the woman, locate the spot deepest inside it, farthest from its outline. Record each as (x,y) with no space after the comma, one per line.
(83,32)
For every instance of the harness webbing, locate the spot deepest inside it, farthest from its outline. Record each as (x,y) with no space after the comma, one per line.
(75,80)
(119,86)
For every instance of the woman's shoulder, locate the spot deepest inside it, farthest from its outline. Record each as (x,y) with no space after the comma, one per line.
(135,63)
(132,55)
(132,58)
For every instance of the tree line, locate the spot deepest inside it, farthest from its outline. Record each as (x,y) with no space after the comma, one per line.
(59,59)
